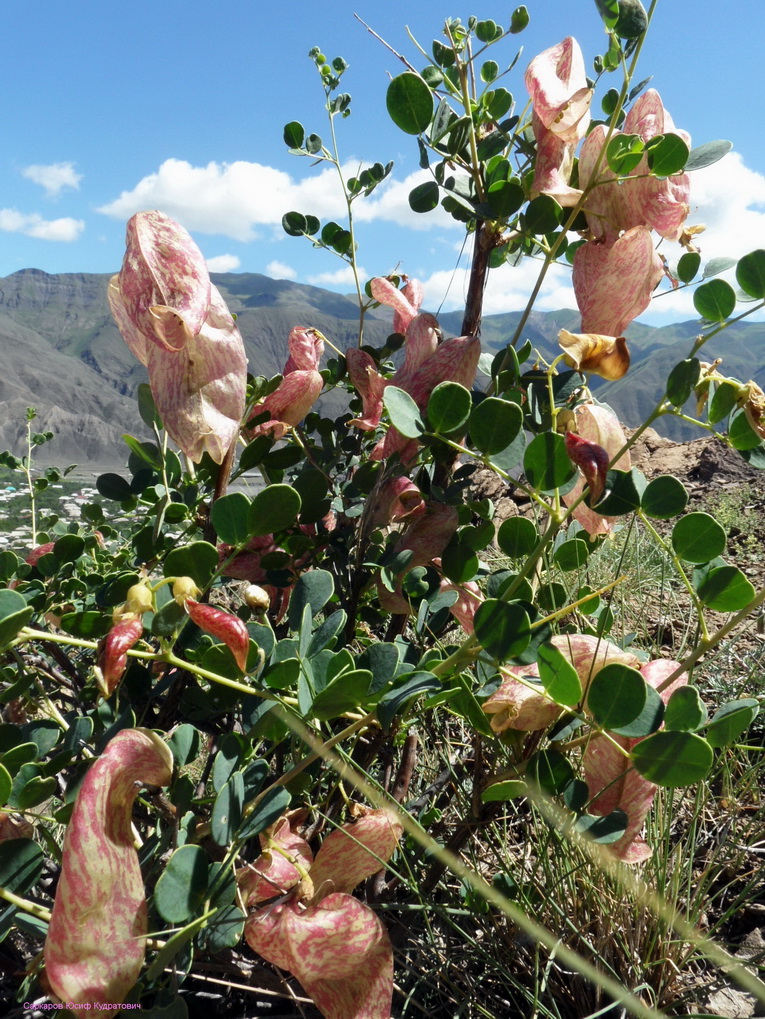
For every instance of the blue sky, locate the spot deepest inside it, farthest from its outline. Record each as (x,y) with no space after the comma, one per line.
(181,105)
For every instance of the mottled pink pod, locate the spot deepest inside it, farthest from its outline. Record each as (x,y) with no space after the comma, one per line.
(427,536)
(15,828)
(246,564)
(200,390)
(598,424)
(613,282)
(397,499)
(356,851)
(230,629)
(333,944)
(288,404)
(469,597)
(614,784)
(164,280)
(455,360)
(112,657)
(592,460)
(177,324)
(553,165)
(32,558)
(305,348)
(96,939)
(386,293)
(422,338)
(369,384)
(276,869)
(557,83)
(342,956)
(640,200)
(414,292)
(515,705)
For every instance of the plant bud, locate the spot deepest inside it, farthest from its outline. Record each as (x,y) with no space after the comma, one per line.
(183,588)
(230,629)
(139,599)
(592,460)
(256,599)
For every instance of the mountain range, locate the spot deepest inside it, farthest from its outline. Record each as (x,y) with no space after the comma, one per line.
(62,354)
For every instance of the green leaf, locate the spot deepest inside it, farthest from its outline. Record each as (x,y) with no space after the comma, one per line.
(227,810)
(114,487)
(199,560)
(750,274)
(501,791)
(685,710)
(741,435)
(723,401)
(294,135)
(558,676)
(731,720)
(226,760)
(715,301)
(616,696)
(542,216)
(706,154)
(664,497)
(409,102)
(273,509)
(459,563)
(519,19)
(21,865)
(449,407)
(571,554)
(698,538)
(682,380)
(546,463)
(230,518)
(326,632)
(403,412)
(725,589)
(88,625)
(673,759)
(224,930)
(270,808)
(624,492)
(314,588)
(407,687)
(603,830)
(148,452)
(688,265)
(184,744)
(517,537)
(344,693)
(667,154)
(502,628)
(494,425)
(6,784)
(624,153)
(504,198)
(425,197)
(717,265)
(69,548)
(182,885)
(14,614)
(550,770)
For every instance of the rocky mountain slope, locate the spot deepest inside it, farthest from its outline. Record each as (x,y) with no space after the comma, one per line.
(62,354)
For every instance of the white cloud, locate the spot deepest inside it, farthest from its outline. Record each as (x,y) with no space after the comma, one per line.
(340,277)
(235,198)
(223,263)
(280,271)
(33,225)
(54,177)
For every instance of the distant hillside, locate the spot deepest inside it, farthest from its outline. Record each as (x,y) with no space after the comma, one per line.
(62,353)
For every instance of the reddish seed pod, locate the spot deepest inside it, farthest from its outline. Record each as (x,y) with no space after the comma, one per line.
(592,460)
(230,629)
(112,659)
